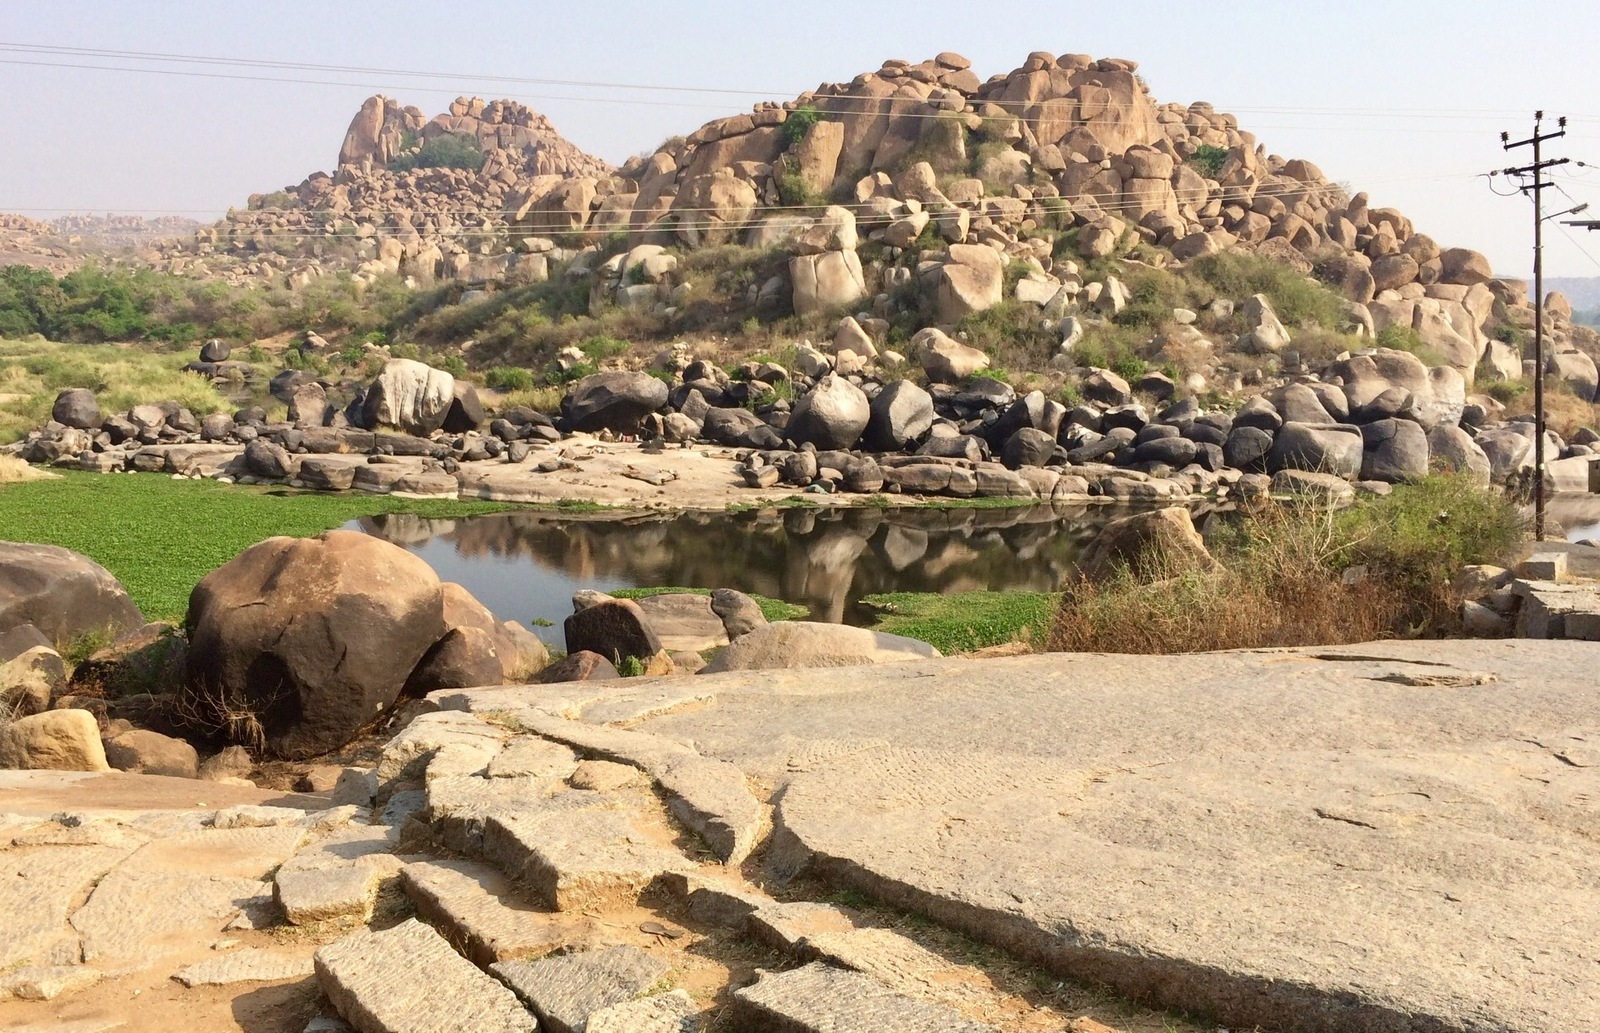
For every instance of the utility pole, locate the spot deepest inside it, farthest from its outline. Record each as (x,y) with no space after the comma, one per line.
(1536,191)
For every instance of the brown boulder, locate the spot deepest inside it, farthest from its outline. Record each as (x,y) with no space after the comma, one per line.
(150,753)
(60,740)
(580,666)
(63,594)
(614,629)
(299,643)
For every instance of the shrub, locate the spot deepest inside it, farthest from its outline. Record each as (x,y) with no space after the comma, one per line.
(601,347)
(1208,160)
(509,378)
(794,192)
(445,151)
(1280,580)
(799,123)
(454,365)
(1406,339)
(1297,300)
(1506,392)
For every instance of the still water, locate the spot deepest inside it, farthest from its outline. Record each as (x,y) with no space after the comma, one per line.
(526,565)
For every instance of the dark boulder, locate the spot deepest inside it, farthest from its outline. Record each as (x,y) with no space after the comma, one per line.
(63,594)
(617,400)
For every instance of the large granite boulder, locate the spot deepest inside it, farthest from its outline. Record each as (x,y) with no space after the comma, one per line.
(831,415)
(410,396)
(1333,448)
(299,643)
(901,413)
(76,407)
(58,740)
(739,428)
(62,593)
(616,400)
(1438,394)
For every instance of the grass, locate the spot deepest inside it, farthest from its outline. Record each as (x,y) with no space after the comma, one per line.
(33,372)
(1282,580)
(965,621)
(771,609)
(160,536)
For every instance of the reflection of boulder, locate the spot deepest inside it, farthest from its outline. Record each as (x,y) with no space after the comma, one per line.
(903,546)
(406,528)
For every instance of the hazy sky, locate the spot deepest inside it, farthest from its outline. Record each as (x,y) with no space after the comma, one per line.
(1403,100)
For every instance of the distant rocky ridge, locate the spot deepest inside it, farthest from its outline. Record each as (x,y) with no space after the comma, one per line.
(62,243)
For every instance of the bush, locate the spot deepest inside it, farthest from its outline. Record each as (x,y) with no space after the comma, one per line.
(1208,160)
(799,123)
(454,365)
(445,151)
(509,378)
(1297,300)
(1405,339)
(1280,580)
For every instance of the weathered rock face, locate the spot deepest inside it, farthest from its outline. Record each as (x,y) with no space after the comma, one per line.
(826,282)
(1161,543)
(617,400)
(1317,448)
(831,415)
(150,753)
(62,593)
(614,629)
(971,281)
(309,639)
(409,396)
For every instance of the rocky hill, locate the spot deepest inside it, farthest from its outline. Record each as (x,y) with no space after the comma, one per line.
(63,243)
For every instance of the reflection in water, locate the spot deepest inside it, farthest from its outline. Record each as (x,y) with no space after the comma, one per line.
(526,565)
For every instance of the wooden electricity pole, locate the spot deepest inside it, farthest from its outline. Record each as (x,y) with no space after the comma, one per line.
(1536,191)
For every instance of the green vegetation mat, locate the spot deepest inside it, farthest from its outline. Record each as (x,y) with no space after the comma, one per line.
(964,621)
(160,536)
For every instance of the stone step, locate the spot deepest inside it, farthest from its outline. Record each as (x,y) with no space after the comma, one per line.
(565,991)
(248,965)
(476,908)
(408,980)
(821,999)
(579,858)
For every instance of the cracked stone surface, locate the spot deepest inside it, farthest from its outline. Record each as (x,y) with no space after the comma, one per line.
(664,1013)
(821,999)
(39,887)
(564,991)
(577,859)
(408,980)
(1360,838)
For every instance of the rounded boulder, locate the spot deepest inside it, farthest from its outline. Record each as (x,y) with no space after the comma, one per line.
(64,594)
(299,643)
(831,415)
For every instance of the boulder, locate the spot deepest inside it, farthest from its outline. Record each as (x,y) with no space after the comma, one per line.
(944,360)
(1030,447)
(901,413)
(971,281)
(1156,544)
(1438,394)
(739,428)
(263,458)
(1318,448)
(465,412)
(1453,449)
(580,666)
(1107,388)
(794,644)
(58,740)
(150,753)
(299,643)
(215,350)
(739,613)
(76,407)
(465,658)
(409,396)
(683,621)
(614,629)
(1395,451)
(63,594)
(831,415)
(1267,335)
(616,400)
(1462,266)
(826,282)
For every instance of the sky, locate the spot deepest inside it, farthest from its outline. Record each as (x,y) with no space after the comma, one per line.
(1404,100)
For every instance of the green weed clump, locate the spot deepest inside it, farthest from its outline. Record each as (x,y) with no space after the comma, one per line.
(1297,300)
(445,151)
(1281,580)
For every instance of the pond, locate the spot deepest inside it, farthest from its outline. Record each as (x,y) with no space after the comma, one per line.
(526,565)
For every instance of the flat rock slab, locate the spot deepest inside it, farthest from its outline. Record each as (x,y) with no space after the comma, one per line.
(408,980)
(564,991)
(46,984)
(134,918)
(663,1013)
(1368,837)
(476,908)
(44,793)
(529,757)
(821,999)
(39,887)
(322,894)
(578,860)
(249,965)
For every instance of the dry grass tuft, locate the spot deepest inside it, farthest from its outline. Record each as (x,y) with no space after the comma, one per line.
(1296,573)
(15,471)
